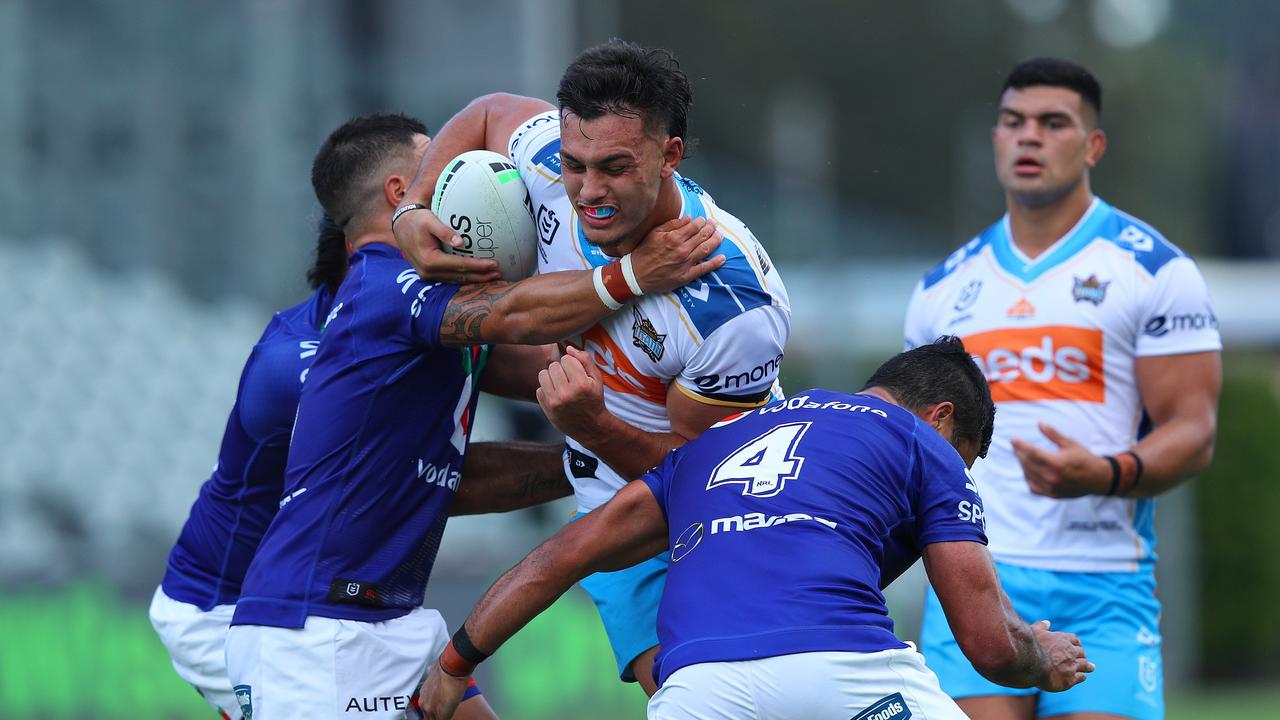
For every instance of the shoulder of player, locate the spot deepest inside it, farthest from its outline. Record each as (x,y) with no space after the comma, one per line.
(541,135)
(380,287)
(303,320)
(720,297)
(959,258)
(927,438)
(1148,247)
(542,123)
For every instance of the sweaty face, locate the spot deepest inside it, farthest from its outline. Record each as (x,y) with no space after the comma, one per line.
(1042,143)
(613,171)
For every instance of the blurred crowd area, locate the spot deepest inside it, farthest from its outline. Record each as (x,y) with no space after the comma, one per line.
(155,208)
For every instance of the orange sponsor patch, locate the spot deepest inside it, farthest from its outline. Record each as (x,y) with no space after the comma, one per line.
(1055,362)
(619,373)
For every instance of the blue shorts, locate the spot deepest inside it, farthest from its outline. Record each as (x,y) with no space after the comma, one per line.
(627,601)
(1116,616)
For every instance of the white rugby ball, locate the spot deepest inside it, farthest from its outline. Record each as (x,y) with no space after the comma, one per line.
(481,196)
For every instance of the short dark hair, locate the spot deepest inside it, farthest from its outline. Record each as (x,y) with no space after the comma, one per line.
(357,149)
(1055,72)
(623,78)
(330,265)
(942,371)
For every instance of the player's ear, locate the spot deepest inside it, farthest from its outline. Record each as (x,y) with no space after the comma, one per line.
(941,417)
(672,153)
(1095,146)
(394,188)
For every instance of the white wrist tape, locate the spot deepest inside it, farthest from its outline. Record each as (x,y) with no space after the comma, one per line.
(629,274)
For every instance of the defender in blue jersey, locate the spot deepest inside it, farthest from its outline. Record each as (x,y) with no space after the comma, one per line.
(329,618)
(192,608)
(784,524)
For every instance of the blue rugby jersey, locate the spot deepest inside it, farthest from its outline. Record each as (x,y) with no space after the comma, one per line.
(377,452)
(786,521)
(237,502)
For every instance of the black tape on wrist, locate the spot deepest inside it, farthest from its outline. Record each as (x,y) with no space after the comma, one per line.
(462,644)
(1137,480)
(1115,474)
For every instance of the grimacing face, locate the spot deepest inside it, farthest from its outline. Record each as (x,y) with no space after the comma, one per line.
(613,172)
(1045,141)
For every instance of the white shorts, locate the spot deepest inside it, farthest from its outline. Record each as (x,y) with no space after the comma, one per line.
(197,642)
(334,668)
(885,685)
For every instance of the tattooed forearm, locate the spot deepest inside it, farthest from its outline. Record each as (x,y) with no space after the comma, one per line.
(505,476)
(510,492)
(463,321)
(536,488)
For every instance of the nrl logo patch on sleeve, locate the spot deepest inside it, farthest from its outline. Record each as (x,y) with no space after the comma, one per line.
(890,707)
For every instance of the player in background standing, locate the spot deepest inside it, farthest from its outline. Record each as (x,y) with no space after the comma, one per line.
(1102,351)
(784,524)
(601,173)
(329,619)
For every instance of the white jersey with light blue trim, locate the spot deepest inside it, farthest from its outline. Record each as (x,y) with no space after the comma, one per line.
(1057,337)
(719,339)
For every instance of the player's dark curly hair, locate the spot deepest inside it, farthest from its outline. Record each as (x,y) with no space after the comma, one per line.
(354,152)
(1055,72)
(939,372)
(623,78)
(330,265)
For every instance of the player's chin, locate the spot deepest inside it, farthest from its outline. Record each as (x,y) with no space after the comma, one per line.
(607,239)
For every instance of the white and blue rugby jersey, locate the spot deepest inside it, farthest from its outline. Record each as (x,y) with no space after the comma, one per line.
(237,502)
(719,339)
(785,523)
(1057,337)
(382,425)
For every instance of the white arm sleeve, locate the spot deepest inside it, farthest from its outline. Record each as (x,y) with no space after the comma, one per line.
(1175,314)
(535,150)
(739,362)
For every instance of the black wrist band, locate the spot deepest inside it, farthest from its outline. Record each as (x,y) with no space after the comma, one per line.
(468,652)
(1137,479)
(404,209)
(1115,474)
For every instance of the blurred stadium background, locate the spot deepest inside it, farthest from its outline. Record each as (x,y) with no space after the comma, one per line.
(155,208)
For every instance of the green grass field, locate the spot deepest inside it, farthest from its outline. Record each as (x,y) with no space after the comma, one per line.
(1254,703)
(81,652)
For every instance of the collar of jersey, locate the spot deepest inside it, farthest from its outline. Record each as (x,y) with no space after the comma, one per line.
(690,204)
(1014,262)
(384,249)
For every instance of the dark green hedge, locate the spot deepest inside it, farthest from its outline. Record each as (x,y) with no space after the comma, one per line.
(1238,515)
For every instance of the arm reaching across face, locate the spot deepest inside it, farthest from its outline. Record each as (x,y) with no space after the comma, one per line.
(549,308)
(627,530)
